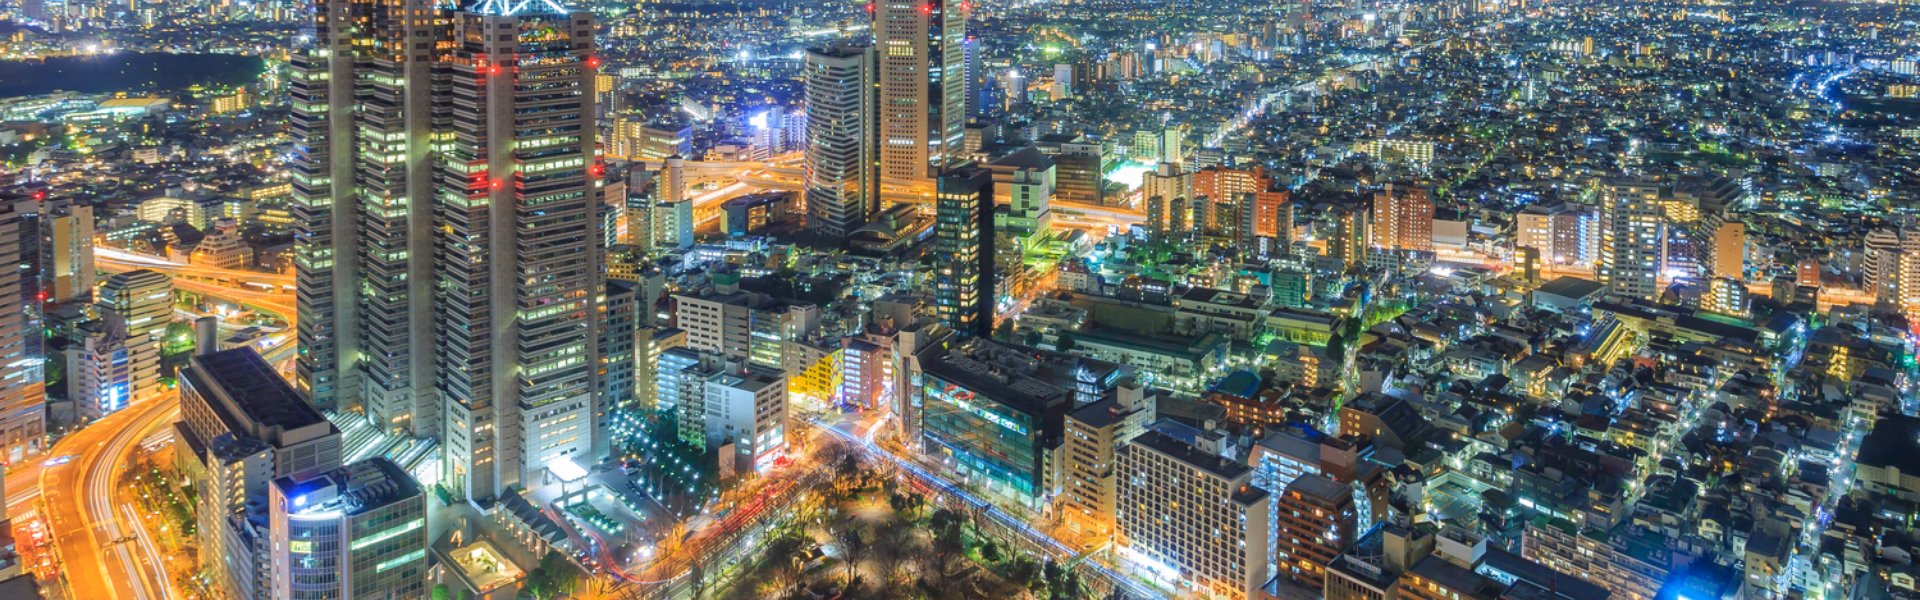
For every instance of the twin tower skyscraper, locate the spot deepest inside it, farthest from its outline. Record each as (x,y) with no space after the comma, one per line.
(446,192)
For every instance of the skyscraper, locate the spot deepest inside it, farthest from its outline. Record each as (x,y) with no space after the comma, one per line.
(518,264)
(841,189)
(22,394)
(447,257)
(922,86)
(963,239)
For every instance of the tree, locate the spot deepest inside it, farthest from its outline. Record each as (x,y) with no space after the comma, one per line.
(1065,342)
(897,544)
(851,547)
(697,580)
(554,576)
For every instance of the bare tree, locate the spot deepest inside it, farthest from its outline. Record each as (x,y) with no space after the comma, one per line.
(852,545)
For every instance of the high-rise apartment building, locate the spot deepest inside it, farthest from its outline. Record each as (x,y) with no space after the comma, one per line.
(1633,246)
(447,252)
(921,47)
(1194,512)
(1315,518)
(1167,191)
(359,531)
(1223,184)
(1729,253)
(840,148)
(1095,434)
(142,304)
(1402,219)
(23,394)
(963,237)
(1350,234)
(680,387)
(1564,234)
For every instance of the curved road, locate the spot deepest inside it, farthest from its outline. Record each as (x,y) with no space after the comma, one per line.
(106,553)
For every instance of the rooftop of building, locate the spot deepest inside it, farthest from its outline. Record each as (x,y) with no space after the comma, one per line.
(1027,157)
(352,489)
(1571,287)
(1198,458)
(1894,443)
(256,387)
(1320,488)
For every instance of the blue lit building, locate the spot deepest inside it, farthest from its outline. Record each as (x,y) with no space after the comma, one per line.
(359,531)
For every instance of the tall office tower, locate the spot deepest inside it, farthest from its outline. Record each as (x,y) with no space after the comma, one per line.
(922,85)
(23,393)
(963,238)
(1186,507)
(240,427)
(365,98)
(1403,219)
(69,259)
(359,531)
(1349,241)
(393,186)
(1633,247)
(841,191)
(1095,434)
(518,260)
(1729,250)
(142,302)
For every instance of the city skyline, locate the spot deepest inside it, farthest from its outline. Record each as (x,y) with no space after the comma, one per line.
(931,299)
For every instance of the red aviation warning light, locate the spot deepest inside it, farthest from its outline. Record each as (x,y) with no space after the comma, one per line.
(593,62)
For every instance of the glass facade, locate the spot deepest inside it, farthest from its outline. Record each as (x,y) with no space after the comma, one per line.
(993,445)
